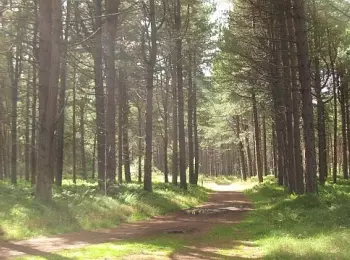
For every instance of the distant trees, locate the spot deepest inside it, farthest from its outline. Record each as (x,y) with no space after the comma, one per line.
(277,65)
(90,81)
(117,90)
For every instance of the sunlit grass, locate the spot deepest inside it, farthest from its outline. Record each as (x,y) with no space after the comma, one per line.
(282,226)
(83,206)
(156,248)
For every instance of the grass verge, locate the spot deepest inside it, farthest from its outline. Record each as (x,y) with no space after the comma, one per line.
(282,226)
(82,207)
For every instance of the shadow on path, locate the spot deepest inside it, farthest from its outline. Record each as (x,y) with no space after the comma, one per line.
(225,207)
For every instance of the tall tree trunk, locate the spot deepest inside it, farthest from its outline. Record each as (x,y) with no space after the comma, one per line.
(346,91)
(321,128)
(265,146)
(33,151)
(166,126)
(27,130)
(82,138)
(126,109)
(93,168)
(279,115)
(100,95)
(74,130)
(287,82)
(257,139)
(112,8)
(335,108)
(195,123)
(299,178)
(15,67)
(120,129)
(175,156)
(147,184)
(47,96)
(140,148)
(274,145)
(344,132)
(249,158)
(2,159)
(241,150)
(305,84)
(190,121)
(180,95)
(62,100)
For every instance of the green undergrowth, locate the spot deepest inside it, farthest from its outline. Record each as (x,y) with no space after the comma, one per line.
(154,248)
(225,180)
(281,226)
(285,226)
(82,206)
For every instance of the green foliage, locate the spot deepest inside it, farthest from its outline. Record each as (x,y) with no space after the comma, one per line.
(83,207)
(160,247)
(300,227)
(282,226)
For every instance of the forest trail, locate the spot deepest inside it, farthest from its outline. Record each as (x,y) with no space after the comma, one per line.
(226,205)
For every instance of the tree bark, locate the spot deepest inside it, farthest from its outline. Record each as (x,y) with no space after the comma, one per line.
(287,82)
(112,7)
(74,130)
(305,84)
(257,139)
(62,100)
(175,156)
(27,130)
(266,168)
(120,130)
(147,184)
(47,99)
(344,130)
(180,93)
(100,95)
(82,139)
(299,178)
(33,151)
(192,179)
(195,123)
(241,150)
(126,109)
(140,148)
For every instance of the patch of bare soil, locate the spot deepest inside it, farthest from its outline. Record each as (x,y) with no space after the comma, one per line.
(223,207)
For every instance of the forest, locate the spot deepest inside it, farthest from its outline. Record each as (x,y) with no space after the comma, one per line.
(115,111)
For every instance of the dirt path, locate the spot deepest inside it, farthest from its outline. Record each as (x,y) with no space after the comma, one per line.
(223,207)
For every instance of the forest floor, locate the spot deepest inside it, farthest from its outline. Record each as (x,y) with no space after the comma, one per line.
(282,226)
(226,206)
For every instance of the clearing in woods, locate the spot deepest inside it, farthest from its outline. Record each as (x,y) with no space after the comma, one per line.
(226,205)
